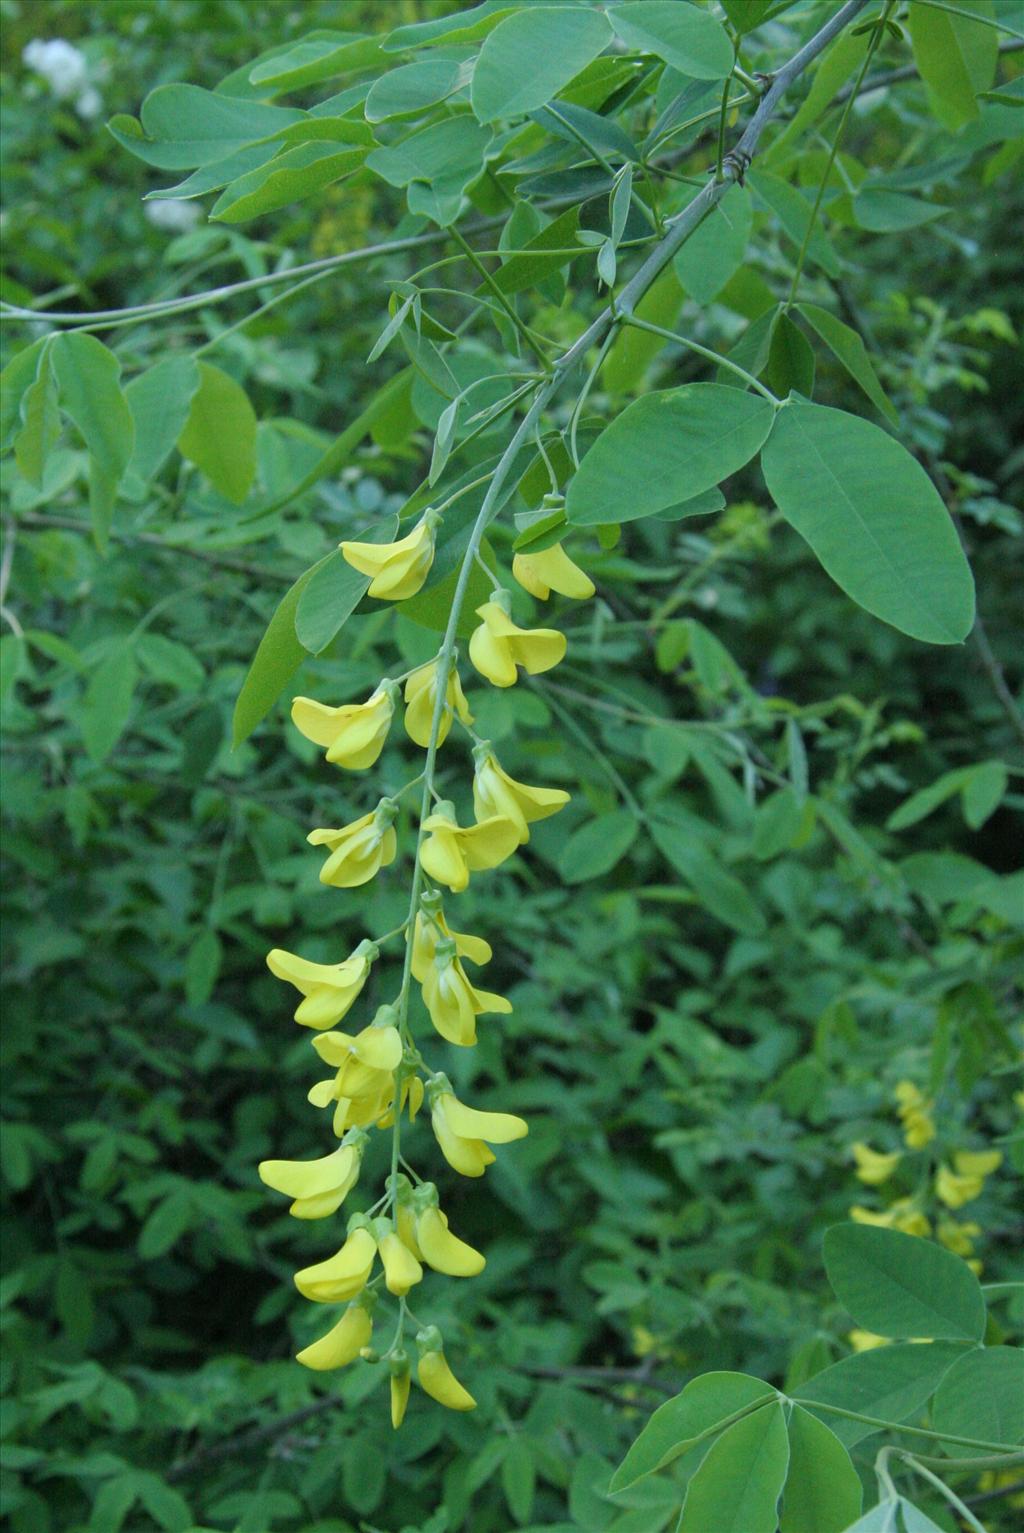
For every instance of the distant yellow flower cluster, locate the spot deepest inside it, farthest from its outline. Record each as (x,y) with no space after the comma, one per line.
(377,1074)
(951,1184)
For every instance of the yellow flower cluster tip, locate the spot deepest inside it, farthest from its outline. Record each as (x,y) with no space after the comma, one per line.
(378,1078)
(953,1184)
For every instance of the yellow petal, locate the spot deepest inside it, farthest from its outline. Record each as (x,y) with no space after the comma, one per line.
(551,570)
(315,720)
(977,1162)
(492,657)
(307,1178)
(444,1251)
(438,1381)
(379,1047)
(538,649)
(489,843)
(471,1123)
(441,855)
(342,1275)
(873,1167)
(342,1343)
(447,995)
(399,569)
(401,1269)
(469,1157)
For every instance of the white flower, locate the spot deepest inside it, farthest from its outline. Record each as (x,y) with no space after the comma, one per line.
(89,104)
(174,216)
(62,66)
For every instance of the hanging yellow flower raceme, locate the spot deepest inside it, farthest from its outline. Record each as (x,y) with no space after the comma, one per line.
(452,851)
(551,570)
(915,1115)
(358,851)
(353,734)
(329,989)
(498,646)
(420,696)
(398,569)
(378,1077)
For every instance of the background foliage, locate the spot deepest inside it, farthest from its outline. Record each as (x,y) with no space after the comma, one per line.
(722,958)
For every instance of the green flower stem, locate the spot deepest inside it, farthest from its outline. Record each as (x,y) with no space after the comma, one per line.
(705,351)
(940,1485)
(534,342)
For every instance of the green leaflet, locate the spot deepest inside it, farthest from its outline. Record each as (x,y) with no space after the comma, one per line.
(219,436)
(531,55)
(666,448)
(899,1285)
(873,518)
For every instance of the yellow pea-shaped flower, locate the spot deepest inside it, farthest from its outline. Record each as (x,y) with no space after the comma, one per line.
(551,570)
(343,1275)
(444,1251)
(499,646)
(421,698)
(358,851)
(319,1187)
(874,1167)
(342,1343)
(329,989)
(398,569)
(463,1132)
(438,1381)
(496,793)
(451,851)
(353,734)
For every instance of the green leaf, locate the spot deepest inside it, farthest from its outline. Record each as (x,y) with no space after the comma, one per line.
(914,1520)
(633,350)
(341,450)
(333,594)
(165,1226)
(889,1383)
(16,377)
(719,891)
(848,348)
(737,1487)
(982,788)
(982,1395)
(168,661)
(777,824)
(531,55)
(292,177)
(159,399)
(202,967)
(108,701)
(276,660)
(704,1403)
(823,1491)
(665,448)
(436,164)
(878,1519)
(220,434)
(745,15)
(701,505)
(900,1285)
(595,848)
(459,27)
(881,210)
(40,429)
(793,211)
(955,57)
(572,123)
(518,1478)
(687,39)
(412,88)
(184,125)
(983,792)
(873,518)
(716,248)
(547,252)
(790,365)
(90,393)
(321,56)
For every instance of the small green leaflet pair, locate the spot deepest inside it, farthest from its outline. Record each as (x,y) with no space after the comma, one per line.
(866,507)
(750,1446)
(129,432)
